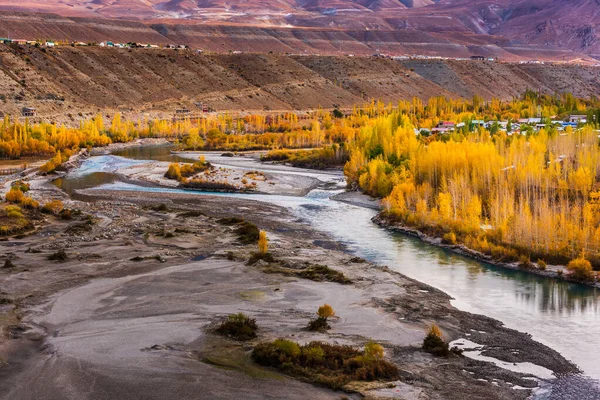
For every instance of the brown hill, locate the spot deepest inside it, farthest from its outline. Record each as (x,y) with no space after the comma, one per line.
(225,38)
(526,28)
(73,80)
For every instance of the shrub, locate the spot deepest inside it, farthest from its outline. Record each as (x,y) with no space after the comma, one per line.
(320,324)
(238,326)
(449,238)
(321,273)
(541,265)
(60,255)
(28,202)
(248,233)
(581,270)
(174,172)
(435,344)
(525,262)
(53,207)
(14,195)
(373,350)
(192,169)
(14,214)
(256,257)
(22,186)
(263,243)
(326,364)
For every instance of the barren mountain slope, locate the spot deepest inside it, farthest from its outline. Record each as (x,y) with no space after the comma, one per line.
(91,79)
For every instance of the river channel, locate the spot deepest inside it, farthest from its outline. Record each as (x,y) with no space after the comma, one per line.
(565,316)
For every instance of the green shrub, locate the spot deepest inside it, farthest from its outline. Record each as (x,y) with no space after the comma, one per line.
(238,326)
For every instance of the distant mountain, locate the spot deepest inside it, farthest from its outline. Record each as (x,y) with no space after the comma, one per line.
(545,24)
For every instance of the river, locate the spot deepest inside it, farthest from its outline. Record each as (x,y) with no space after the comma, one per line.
(564,316)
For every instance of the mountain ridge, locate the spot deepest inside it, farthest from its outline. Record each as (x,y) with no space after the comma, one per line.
(567,25)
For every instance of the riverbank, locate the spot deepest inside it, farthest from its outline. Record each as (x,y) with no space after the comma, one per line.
(98,305)
(551,271)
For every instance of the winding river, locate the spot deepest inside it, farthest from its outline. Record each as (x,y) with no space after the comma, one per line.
(564,316)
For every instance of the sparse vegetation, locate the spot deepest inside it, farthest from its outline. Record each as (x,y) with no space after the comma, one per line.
(525,262)
(321,324)
(434,343)
(542,265)
(238,326)
(248,233)
(323,158)
(53,207)
(322,273)
(326,364)
(179,173)
(580,269)
(60,255)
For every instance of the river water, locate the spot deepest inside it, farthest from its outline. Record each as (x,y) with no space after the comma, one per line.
(565,316)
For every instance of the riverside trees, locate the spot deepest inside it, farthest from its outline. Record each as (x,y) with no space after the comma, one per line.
(507,194)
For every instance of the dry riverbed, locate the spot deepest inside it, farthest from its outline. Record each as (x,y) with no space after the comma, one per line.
(128,312)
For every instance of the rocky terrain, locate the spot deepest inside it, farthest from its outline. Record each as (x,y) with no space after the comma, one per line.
(68,84)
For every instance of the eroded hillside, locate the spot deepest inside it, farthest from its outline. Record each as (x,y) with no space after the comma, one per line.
(74,80)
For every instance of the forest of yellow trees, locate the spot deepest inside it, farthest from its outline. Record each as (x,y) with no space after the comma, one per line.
(534,194)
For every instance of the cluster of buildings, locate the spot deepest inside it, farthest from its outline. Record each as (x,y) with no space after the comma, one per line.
(108,44)
(573,121)
(47,43)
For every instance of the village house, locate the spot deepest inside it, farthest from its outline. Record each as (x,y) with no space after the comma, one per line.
(28,112)
(578,118)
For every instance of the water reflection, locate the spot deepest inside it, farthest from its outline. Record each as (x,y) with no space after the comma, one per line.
(156,153)
(94,179)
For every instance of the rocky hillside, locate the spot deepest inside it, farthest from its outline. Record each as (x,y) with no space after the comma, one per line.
(73,80)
